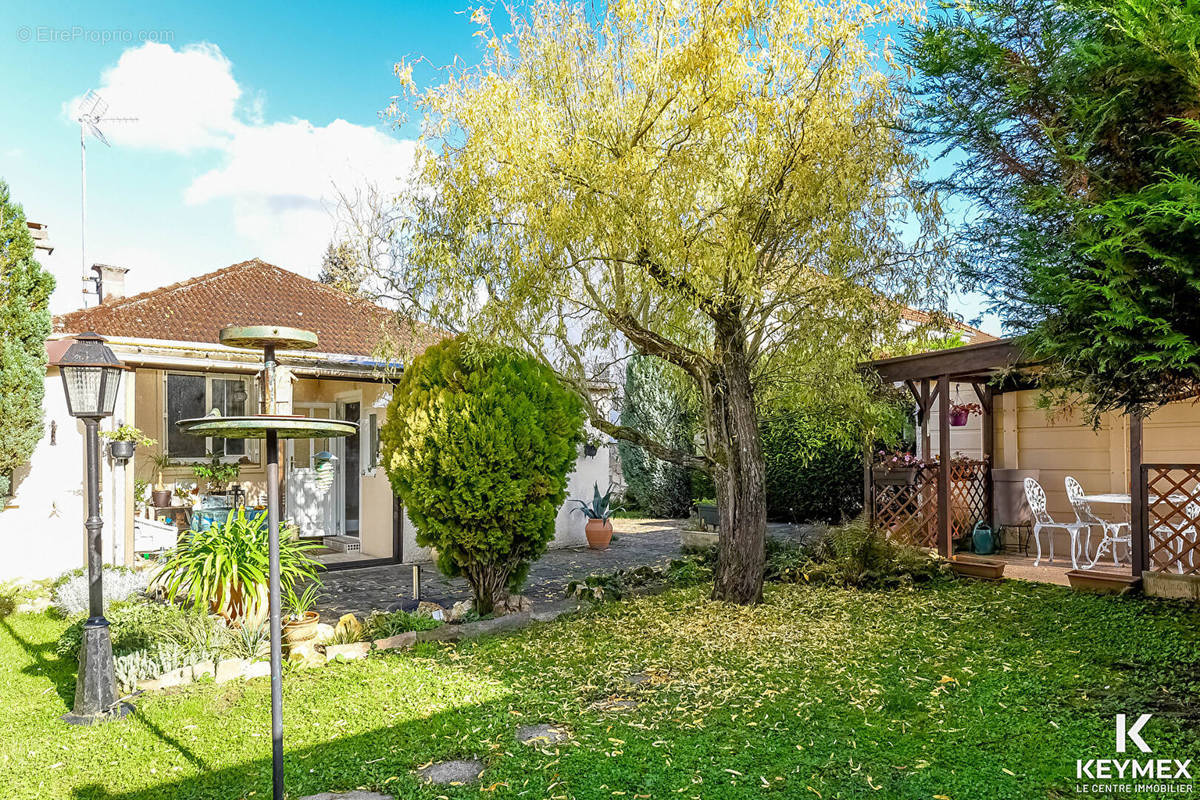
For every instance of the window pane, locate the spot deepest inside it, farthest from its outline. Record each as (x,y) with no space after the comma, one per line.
(229,395)
(185,400)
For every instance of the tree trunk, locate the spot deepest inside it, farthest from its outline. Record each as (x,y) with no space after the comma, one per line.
(740,476)
(488,583)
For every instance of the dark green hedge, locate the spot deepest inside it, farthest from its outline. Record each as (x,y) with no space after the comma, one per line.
(812,473)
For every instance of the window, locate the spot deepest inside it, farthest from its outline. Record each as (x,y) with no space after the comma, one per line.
(191,395)
(369,428)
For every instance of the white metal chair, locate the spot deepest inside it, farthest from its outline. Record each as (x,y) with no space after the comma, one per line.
(1179,531)
(1035,495)
(1112,530)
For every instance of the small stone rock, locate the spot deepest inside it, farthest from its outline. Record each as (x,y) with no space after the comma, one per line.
(400,640)
(349,626)
(176,677)
(461,609)
(324,633)
(541,734)
(432,610)
(149,685)
(514,604)
(257,669)
(637,678)
(452,773)
(204,668)
(230,668)
(306,655)
(347,652)
(357,794)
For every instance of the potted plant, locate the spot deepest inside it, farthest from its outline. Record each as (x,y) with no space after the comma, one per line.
(217,473)
(591,446)
(160,497)
(960,412)
(599,528)
(123,441)
(708,512)
(896,468)
(300,622)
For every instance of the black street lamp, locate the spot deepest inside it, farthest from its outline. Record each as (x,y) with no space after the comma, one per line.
(91,374)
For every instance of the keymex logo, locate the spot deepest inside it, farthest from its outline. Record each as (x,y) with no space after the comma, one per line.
(1132,774)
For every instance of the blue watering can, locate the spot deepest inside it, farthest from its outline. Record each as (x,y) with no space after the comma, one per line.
(982,539)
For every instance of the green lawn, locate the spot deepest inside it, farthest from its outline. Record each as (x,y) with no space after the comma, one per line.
(963,690)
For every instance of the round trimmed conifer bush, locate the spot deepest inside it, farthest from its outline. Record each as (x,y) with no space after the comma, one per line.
(477,444)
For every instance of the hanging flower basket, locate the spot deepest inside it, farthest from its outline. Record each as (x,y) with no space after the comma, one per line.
(961,412)
(121,450)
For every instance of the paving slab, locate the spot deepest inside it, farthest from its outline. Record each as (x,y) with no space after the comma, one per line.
(639,542)
(446,773)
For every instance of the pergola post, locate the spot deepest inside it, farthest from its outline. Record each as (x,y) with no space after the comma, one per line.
(943,473)
(1137,498)
(868,500)
(988,443)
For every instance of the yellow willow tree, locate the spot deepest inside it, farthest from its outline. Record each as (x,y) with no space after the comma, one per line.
(716,184)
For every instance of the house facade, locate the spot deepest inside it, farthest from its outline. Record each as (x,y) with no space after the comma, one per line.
(168,339)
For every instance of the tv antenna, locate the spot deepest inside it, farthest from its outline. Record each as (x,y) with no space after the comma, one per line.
(92,109)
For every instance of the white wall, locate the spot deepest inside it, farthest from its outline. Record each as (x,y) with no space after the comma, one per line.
(568,527)
(41,529)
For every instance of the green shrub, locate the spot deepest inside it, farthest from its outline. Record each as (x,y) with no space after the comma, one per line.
(859,555)
(225,569)
(382,625)
(814,466)
(478,443)
(661,401)
(135,625)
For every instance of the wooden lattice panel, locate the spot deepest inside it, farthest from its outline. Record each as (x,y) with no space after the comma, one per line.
(909,512)
(968,496)
(1173,518)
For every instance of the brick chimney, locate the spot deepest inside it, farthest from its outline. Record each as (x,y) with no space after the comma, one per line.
(111,285)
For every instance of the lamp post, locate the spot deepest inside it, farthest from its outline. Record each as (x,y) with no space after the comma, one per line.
(91,374)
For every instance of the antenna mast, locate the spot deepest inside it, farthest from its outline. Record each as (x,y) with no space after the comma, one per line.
(91,114)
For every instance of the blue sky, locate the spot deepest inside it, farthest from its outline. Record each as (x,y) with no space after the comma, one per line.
(248,114)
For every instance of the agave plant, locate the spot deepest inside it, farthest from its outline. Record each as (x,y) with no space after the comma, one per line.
(225,568)
(600,508)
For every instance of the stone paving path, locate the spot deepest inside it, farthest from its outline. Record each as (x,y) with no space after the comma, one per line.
(638,542)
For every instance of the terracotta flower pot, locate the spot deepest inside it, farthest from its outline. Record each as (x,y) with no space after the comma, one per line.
(161,498)
(599,533)
(298,631)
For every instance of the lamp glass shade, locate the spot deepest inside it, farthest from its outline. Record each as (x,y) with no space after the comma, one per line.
(91,391)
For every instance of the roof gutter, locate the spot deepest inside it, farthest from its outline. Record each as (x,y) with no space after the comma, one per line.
(207,357)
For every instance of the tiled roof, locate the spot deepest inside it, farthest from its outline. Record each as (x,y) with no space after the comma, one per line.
(251,293)
(971,334)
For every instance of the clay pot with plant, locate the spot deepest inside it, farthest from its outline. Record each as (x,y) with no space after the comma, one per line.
(300,622)
(599,528)
(160,496)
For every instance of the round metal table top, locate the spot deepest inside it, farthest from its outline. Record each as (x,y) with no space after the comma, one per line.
(256,337)
(256,427)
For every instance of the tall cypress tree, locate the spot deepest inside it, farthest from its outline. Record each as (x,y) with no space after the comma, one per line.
(1075,131)
(25,289)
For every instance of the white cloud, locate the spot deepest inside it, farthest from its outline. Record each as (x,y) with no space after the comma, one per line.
(283,179)
(184,100)
(279,177)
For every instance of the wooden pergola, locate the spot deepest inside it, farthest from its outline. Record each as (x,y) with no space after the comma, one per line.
(991,368)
